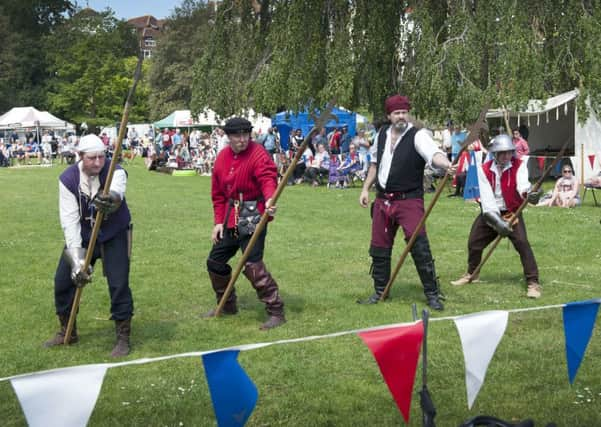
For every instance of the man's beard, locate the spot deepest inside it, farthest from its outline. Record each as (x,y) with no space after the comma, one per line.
(400,126)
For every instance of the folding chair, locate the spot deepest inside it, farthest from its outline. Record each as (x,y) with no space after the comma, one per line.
(592,188)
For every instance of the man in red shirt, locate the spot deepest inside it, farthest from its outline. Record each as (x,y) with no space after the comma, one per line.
(243,182)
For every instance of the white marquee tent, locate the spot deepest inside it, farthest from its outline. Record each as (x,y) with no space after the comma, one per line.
(30,117)
(554,122)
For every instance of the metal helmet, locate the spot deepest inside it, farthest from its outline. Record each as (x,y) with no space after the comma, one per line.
(502,142)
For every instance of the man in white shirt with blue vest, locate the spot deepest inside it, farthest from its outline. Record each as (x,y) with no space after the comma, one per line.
(80,198)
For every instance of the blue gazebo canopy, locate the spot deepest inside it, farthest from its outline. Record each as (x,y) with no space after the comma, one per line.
(287,121)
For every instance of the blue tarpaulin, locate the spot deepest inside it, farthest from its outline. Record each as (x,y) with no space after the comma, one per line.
(287,121)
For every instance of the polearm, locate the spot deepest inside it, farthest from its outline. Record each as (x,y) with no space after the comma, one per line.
(320,122)
(473,135)
(514,216)
(426,402)
(107,187)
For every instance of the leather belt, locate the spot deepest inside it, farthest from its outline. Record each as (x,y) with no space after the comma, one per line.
(398,195)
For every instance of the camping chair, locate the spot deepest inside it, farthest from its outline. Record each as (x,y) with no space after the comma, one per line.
(592,188)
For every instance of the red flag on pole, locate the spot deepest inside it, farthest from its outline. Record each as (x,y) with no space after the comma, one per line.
(541,163)
(591,159)
(396,351)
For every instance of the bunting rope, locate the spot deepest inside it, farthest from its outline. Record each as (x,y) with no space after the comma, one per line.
(254,346)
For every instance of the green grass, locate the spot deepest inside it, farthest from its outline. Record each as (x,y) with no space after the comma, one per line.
(317,251)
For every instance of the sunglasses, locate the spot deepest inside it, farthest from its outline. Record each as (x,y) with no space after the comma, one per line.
(567,171)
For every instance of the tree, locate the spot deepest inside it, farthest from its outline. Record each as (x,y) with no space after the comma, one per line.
(448,56)
(92,58)
(23,25)
(183,41)
(502,52)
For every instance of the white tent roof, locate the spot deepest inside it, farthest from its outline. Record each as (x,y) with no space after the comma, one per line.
(30,117)
(537,106)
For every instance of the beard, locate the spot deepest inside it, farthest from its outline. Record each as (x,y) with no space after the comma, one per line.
(400,126)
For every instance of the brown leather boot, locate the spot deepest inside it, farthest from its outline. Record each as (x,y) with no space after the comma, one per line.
(59,338)
(219,284)
(122,331)
(267,291)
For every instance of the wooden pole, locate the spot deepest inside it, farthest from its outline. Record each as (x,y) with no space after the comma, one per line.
(107,187)
(515,215)
(473,135)
(581,163)
(319,123)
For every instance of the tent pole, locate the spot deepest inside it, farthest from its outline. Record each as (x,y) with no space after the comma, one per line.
(581,163)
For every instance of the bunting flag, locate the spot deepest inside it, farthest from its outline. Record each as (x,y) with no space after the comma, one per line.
(578,322)
(480,334)
(233,393)
(471,190)
(59,398)
(591,159)
(541,164)
(396,351)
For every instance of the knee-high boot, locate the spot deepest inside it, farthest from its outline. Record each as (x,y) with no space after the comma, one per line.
(422,257)
(380,273)
(267,291)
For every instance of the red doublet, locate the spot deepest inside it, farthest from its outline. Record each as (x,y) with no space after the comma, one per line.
(251,172)
(509,183)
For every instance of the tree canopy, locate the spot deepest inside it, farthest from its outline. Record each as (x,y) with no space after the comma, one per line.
(450,57)
(91,58)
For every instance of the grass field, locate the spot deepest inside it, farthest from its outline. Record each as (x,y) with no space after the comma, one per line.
(317,251)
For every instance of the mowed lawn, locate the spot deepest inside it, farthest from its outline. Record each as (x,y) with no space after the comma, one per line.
(317,251)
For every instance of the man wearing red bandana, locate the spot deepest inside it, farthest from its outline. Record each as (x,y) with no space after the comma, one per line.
(243,182)
(398,157)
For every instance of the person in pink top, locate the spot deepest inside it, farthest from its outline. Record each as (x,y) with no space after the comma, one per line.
(521,145)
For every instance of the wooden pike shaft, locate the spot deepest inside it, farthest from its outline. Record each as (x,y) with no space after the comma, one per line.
(473,135)
(107,187)
(519,210)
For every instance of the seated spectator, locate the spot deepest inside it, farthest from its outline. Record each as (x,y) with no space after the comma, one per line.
(282,162)
(302,165)
(565,193)
(335,178)
(4,156)
(350,165)
(319,166)
(594,181)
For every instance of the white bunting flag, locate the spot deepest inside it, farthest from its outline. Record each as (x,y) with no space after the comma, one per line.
(61,397)
(480,334)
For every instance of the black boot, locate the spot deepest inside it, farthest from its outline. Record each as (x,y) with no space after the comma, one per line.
(380,272)
(422,257)
(219,283)
(268,293)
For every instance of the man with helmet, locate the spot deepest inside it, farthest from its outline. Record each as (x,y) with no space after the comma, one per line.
(81,188)
(398,157)
(243,182)
(503,183)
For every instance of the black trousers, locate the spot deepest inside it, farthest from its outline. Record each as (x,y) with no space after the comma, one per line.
(115,260)
(226,248)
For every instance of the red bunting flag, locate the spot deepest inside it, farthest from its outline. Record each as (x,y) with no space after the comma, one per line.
(541,163)
(591,159)
(396,351)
